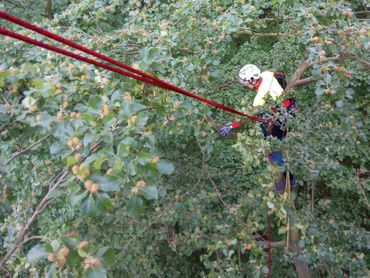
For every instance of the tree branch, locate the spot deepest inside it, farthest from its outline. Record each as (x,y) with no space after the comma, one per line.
(29,239)
(40,207)
(358,182)
(250,32)
(226,84)
(14,156)
(296,78)
(274,244)
(18,5)
(305,81)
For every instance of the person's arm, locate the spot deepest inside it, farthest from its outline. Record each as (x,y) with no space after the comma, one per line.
(249,85)
(259,99)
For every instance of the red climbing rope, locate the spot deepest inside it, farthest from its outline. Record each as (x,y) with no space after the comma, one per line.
(269,245)
(128,71)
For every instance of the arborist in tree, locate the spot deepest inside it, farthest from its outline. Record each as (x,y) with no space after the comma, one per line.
(267,84)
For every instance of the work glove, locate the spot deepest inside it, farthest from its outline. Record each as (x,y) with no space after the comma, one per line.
(227,128)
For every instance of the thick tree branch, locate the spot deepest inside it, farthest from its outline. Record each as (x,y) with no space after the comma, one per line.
(296,78)
(274,244)
(14,156)
(305,81)
(39,209)
(297,75)
(49,8)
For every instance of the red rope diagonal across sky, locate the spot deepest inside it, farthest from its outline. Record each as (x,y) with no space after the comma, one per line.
(123,68)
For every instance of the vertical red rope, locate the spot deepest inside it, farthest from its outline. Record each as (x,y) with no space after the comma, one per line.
(269,245)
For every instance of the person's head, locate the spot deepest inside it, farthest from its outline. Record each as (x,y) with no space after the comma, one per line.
(249,74)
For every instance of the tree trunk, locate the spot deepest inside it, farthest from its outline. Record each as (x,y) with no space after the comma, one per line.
(49,8)
(299,261)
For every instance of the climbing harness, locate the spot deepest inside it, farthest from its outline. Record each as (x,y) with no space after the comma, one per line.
(122,69)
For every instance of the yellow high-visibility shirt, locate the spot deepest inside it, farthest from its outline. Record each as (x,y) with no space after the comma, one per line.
(269,85)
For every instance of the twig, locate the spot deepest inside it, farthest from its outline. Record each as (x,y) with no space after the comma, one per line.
(358,182)
(226,84)
(313,196)
(18,5)
(14,156)
(250,32)
(210,178)
(216,189)
(360,60)
(29,239)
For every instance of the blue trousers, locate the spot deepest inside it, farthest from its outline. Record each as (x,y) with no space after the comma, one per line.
(277,159)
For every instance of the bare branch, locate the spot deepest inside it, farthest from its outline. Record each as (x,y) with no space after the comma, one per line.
(296,78)
(39,209)
(14,156)
(360,60)
(226,84)
(358,182)
(186,50)
(29,239)
(250,32)
(305,81)
(274,244)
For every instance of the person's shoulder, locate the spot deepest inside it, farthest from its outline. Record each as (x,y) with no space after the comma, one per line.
(267,74)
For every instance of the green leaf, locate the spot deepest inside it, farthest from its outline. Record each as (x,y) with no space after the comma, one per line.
(84,254)
(48,248)
(106,254)
(150,192)
(73,258)
(76,199)
(37,253)
(28,102)
(135,207)
(98,162)
(38,83)
(153,52)
(109,184)
(89,138)
(103,202)
(52,271)
(97,272)
(118,165)
(71,160)
(56,147)
(143,158)
(165,167)
(55,193)
(89,207)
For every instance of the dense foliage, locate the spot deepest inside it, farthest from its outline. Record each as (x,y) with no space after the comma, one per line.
(102,175)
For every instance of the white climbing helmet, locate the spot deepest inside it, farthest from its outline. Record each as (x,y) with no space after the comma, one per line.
(248,73)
